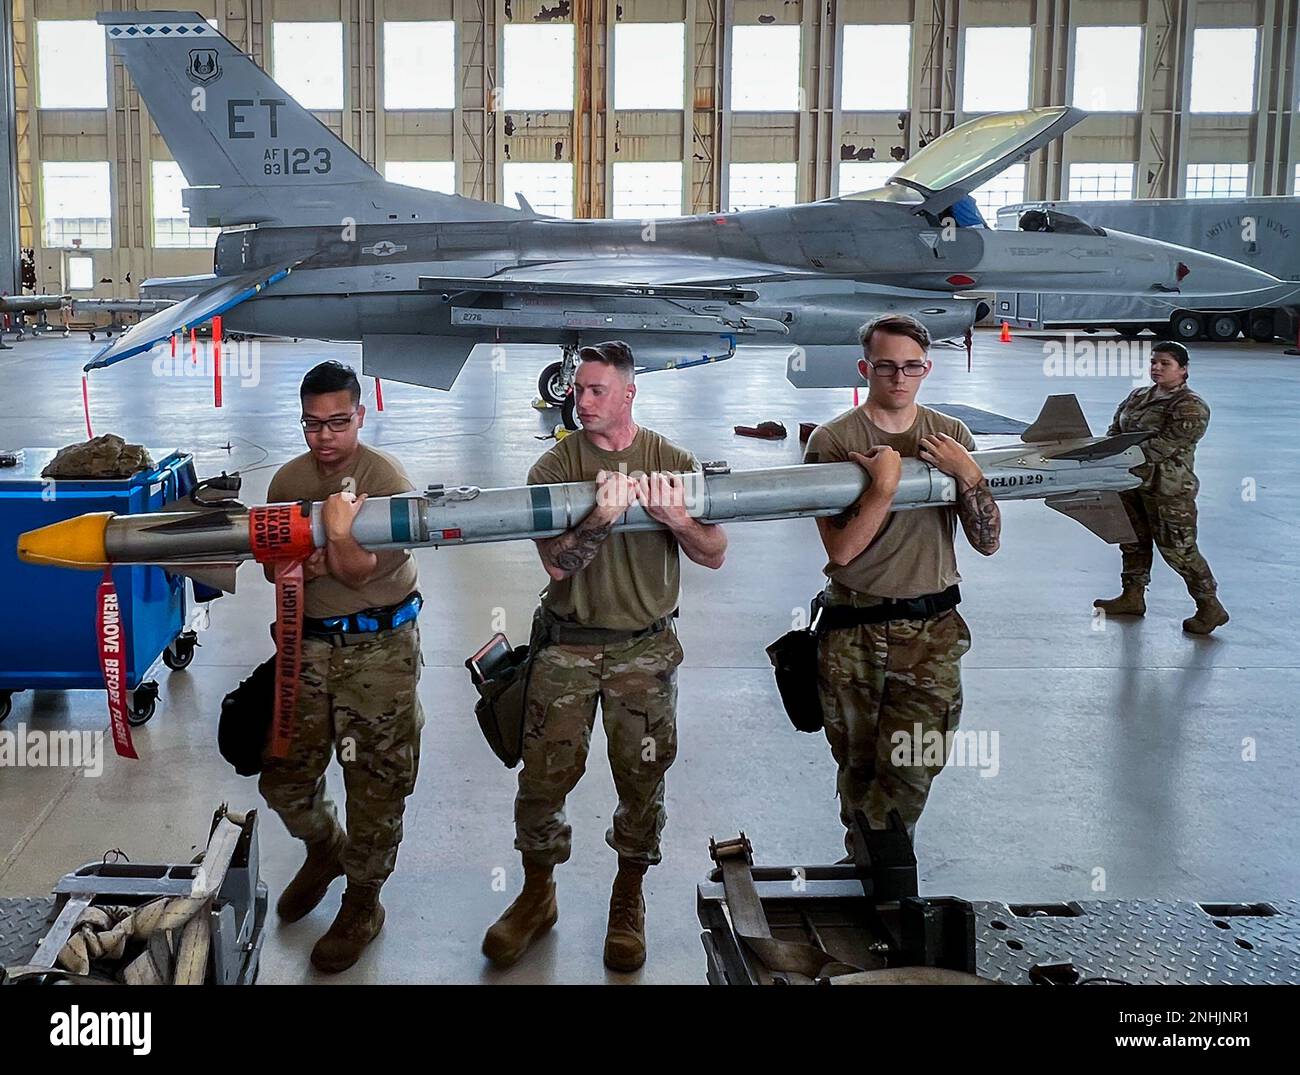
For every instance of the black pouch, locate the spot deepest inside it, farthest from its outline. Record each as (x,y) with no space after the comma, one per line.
(794,659)
(502,706)
(245,723)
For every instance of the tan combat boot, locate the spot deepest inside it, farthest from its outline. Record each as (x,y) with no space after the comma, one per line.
(532,914)
(1129,603)
(625,938)
(1209,615)
(357,924)
(309,884)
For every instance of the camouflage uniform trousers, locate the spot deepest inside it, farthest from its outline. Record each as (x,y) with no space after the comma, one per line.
(359,701)
(635,683)
(875,681)
(1169,524)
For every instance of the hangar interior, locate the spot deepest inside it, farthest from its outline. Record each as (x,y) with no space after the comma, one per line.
(1135,761)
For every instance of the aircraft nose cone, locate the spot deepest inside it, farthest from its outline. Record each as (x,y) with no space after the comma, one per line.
(1209,274)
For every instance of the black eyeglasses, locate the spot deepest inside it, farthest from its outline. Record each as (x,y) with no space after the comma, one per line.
(336,425)
(888,369)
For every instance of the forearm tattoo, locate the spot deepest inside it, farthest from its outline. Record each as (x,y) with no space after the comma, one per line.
(980,517)
(845,517)
(574,550)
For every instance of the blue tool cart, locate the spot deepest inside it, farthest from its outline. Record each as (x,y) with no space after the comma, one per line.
(47,635)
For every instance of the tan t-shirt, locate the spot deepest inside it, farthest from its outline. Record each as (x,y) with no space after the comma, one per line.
(635,578)
(375,473)
(913,552)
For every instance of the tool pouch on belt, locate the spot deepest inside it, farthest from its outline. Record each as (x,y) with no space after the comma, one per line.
(502,706)
(245,724)
(794,659)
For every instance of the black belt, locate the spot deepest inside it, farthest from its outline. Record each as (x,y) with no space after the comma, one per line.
(926,607)
(565,633)
(367,621)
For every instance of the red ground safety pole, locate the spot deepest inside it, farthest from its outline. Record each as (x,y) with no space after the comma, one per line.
(216,361)
(194,346)
(379,395)
(855,397)
(173,345)
(85,404)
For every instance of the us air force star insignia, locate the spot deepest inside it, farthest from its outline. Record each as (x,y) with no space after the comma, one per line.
(383,248)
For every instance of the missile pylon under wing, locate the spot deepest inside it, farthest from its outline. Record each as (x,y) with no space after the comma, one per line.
(1058,460)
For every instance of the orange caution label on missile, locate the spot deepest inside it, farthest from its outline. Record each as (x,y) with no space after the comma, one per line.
(280,532)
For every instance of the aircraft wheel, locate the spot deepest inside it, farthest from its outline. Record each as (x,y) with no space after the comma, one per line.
(569,413)
(1261,326)
(1222,327)
(1186,326)
(548,384)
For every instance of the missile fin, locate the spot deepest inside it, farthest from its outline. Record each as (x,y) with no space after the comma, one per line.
(1102,448)
(1060,419)
(1102,513)
(193,521)
(218,576)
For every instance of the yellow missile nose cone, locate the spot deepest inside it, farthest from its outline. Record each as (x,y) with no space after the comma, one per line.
(76,542)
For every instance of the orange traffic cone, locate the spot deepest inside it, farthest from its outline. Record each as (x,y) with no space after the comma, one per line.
(1005,337)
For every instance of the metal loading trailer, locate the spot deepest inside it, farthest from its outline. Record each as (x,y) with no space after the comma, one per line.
(1263,233)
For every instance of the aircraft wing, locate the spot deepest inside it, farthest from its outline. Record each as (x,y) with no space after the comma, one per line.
(226,293)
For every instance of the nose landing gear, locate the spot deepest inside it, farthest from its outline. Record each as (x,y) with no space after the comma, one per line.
(555,386)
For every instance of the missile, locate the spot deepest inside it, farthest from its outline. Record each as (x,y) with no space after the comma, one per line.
(1076,474)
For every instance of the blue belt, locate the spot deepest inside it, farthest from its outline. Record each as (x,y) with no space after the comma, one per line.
(367,621)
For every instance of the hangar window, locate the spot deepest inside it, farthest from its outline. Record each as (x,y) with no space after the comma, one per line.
(1295,181)
(1008,188)
(71,64)
(1101,182)
(650,65)
(1218,180)
(77,204)
(548,187)
(419,65)
(765,69)
(1107,60)
(307,60)
(865,175)
(647,190)
(542,58)
(81,272)
(760,186)
(427,175)
(996,75)
(171,223)
(877,68)
(1223,70)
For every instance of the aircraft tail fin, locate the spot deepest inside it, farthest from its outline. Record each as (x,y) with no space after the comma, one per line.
(1060,419)
(225,120)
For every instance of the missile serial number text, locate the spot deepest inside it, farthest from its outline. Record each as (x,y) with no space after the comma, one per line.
(1012,480)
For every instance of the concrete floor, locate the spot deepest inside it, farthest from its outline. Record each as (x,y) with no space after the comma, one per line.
(1120,749)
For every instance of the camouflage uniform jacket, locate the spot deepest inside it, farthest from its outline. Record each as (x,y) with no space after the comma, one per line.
(1177,420)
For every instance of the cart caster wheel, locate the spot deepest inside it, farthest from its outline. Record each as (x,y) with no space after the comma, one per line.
(144,703)
(6,704)
(181,652)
